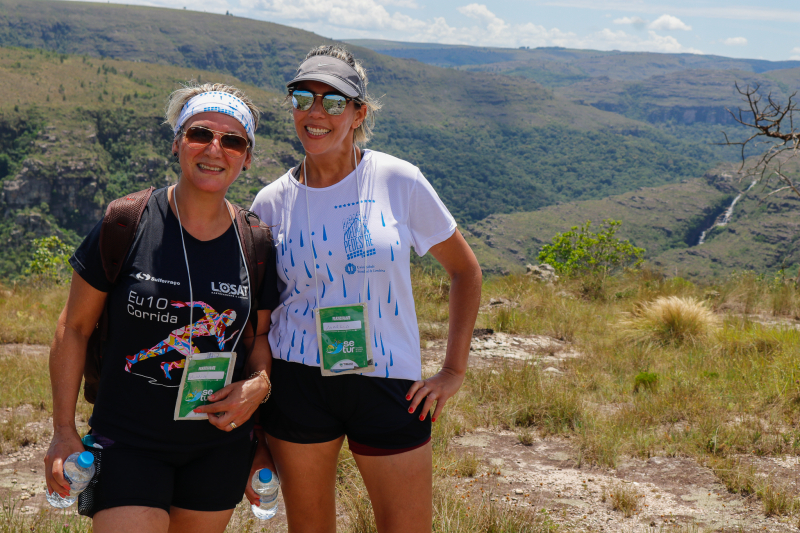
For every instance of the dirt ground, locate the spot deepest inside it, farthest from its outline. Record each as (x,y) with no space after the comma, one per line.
(677,492)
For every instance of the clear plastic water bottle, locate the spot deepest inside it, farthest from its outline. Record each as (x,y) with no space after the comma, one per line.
(78,471)
(267,486)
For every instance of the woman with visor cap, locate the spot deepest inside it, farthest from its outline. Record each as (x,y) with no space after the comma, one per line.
(184,288)
(345,220)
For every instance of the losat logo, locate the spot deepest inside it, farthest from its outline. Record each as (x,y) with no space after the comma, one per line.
(229,289)
(350,268)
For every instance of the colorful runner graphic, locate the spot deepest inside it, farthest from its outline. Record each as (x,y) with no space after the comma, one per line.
(213,324)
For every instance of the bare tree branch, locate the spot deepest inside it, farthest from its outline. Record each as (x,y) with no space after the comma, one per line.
(772,125)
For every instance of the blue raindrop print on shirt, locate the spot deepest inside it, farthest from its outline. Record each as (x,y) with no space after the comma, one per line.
(330,276)
(308,272)
(301,238)
(344,287)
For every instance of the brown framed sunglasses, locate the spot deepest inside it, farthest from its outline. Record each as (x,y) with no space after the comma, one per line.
(232,144)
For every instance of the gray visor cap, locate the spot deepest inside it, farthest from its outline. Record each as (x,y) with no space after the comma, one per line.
(335,72)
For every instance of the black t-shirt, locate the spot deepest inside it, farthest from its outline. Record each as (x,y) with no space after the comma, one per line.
(149,320)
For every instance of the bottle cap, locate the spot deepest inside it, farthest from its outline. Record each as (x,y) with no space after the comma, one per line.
(265,475)
(85,460)
(89,440)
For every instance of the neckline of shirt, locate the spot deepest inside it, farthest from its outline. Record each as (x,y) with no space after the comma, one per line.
(364,155)
(164,201)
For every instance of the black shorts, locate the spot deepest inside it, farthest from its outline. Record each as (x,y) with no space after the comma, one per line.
(213,479)
(307,407)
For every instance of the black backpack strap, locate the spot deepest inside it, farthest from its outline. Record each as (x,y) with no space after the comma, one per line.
(116,237)
(256,239)
(119,229)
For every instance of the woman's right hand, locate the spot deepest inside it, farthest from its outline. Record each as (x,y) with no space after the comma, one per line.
(262,459)
(65,442)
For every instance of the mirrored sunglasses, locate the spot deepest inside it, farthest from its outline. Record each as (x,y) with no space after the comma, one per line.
(332,103)
(232,144)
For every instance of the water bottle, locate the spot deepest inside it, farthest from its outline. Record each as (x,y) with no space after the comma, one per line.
(267,486)
(78,471)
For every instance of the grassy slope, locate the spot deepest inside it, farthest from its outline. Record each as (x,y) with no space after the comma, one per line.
(469,132)
(654,218)
(101,134)
(667,222)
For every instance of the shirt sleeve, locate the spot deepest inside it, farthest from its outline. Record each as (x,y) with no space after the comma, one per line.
(429,221)
(88,263)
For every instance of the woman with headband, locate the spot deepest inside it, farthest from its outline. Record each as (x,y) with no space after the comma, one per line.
(344,339)
(183,289)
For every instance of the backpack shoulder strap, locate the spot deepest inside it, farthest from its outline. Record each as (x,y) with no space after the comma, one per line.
(256,239)
(119,229)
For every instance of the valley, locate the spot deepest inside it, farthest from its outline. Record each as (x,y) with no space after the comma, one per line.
(516,142)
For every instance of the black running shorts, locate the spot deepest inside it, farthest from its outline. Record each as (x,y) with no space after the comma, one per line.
(209,480)
(306,407)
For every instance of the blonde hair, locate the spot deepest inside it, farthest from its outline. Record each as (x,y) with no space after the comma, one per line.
(363,132)
(178,98)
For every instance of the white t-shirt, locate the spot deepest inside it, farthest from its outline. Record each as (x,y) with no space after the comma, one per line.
(401,210)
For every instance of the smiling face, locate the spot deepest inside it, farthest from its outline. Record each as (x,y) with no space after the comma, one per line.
(322,133)
(208,167)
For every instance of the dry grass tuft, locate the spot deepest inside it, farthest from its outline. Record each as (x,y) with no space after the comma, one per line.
(46,520)
(626,499)
(671,320)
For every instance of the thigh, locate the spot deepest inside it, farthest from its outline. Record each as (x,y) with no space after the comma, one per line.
(307,473)
(214,479)
(131,519)
(400,488)
(186,521)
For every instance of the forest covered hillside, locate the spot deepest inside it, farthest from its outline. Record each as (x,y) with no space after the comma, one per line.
(89,82)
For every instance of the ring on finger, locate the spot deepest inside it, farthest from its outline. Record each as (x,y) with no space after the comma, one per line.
(233,425)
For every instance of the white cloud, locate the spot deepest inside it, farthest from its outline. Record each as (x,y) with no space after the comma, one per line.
(636,22)
(723,12)
(619,40)
(795,53)
(408,4)
(735,41)
(380,19)
(668,22)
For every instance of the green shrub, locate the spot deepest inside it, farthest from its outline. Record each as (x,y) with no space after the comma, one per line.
(582,251)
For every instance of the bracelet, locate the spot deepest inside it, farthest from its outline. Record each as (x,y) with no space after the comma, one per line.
(263,374)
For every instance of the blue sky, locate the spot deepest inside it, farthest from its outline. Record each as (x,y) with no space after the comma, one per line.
(735,28)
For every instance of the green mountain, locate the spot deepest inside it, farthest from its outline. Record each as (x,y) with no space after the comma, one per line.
(668,221)
(89,81)
(79,132)
(554,66)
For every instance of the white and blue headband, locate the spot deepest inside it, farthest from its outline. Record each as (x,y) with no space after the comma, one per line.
(219,102)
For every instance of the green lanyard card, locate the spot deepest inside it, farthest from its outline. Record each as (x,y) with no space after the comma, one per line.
(343,342)
(203,375)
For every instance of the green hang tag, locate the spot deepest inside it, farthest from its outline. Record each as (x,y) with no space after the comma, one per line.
(343,343)
(203,375)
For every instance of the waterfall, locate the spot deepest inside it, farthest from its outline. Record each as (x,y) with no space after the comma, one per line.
(726,216)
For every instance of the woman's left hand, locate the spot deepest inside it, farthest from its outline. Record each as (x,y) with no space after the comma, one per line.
(438,388)
(235,403)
